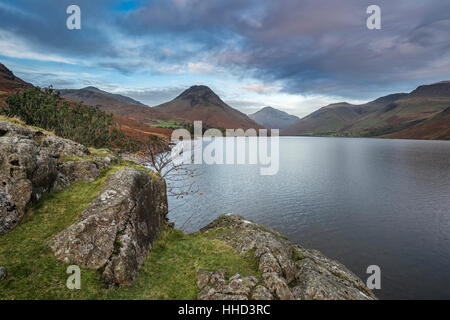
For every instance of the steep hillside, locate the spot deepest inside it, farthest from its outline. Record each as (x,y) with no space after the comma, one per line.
(419,106)
(436,128)
(272,118)
(201,103)
(96,97)
(136,119)
(326,121)
(410,115)
(9,83)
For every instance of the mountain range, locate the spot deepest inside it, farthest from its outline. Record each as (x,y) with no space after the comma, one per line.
(195,103)
(421,114)
(272,118)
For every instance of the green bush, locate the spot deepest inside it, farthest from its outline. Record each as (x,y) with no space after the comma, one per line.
(84,124)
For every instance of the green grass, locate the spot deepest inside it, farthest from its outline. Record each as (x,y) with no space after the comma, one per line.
(170,124)
(170,270)
(168,273)
(95,153)
(33,271)
(17,121)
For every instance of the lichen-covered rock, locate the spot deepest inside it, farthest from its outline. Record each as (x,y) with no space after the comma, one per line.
(115,232)
(214,286)
(3,273)
(26,172)
(10,129)
(29,168)
(261,293)
(57,146)
(61,182)
(103,162)
(79,170)
(289,271)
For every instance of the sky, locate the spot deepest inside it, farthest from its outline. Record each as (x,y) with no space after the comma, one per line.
(295,55)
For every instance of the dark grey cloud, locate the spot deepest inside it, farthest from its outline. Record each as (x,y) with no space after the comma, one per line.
(324,46)
(43,25)
(309,46)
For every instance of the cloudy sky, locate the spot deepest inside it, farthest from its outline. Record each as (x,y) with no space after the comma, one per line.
(296,55)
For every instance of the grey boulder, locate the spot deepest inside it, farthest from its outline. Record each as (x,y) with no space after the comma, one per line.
(28,169)
(115,232)
(3,273)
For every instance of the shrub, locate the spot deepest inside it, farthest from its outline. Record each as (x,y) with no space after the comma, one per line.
(84,124)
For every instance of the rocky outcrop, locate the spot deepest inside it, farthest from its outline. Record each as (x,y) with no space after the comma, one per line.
(58,146)
(29,168)
(115,232)
(289,271)
(79,170)
(3,273)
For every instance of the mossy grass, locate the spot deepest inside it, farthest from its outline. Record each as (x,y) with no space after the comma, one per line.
(168,273)
(18,121)
(169,124)
(95,153)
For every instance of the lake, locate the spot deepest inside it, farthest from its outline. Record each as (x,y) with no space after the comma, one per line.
(360,201)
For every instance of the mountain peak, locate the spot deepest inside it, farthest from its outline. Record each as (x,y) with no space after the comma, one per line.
(91,88)
(268,108)
(200,95)
(272,118)
(200,103)
(197,90)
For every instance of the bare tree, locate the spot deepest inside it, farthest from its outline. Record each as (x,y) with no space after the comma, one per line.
(157,154)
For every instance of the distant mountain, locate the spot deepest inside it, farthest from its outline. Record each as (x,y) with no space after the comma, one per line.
(136,119)
(440,89)
(201,103)
(9,83)
(422,114)
(384,101)
(326,121)
(96,97)
(396,115)
(437,128)
(272,118)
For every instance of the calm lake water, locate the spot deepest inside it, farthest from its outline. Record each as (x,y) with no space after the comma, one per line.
(360,201)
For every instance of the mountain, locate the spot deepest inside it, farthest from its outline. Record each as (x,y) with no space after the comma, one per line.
(9,83)
(397,115)
(96,97)
(272,118)
(135,118)
(326,121)
(201,103)
(422,114)
(440,89)
(436,128)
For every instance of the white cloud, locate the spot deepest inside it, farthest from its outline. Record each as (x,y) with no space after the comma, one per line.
(173,69)
(200,67)
(13,46)
(259,88)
